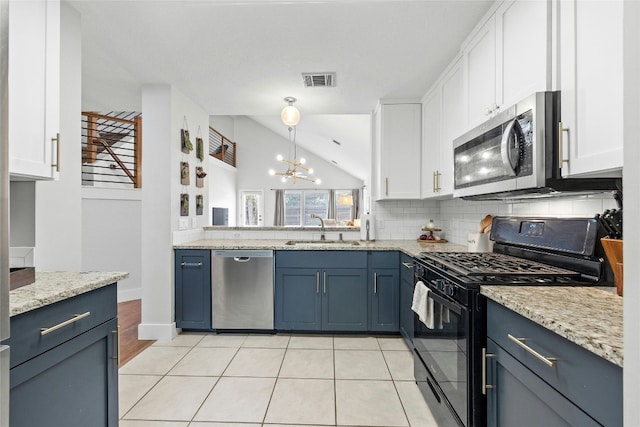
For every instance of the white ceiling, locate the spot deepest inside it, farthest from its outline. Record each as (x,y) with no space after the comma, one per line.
(244,57)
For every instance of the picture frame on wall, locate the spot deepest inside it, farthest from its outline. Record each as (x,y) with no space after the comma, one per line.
(199,204)
(184,204)
(184,173)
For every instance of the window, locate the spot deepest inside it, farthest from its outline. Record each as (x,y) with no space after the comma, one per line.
(299,205)
(343,212)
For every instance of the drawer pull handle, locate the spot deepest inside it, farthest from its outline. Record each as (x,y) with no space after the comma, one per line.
(375,283)
(549,361)
(75,318)
(191,264)
(485,355)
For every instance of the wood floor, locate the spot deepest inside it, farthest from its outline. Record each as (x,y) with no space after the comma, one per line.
(129,315)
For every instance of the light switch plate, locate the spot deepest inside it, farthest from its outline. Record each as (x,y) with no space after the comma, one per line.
(184,224)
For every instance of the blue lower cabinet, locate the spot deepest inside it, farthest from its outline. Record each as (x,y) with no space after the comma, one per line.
(344,299)
(406,298)
(384,290)
(193,289)
(298,299)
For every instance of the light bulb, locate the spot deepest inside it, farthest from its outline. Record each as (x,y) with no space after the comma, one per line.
(279,157)
(272,172)
(318,181)
(284,179)
(303,160)
(310,171)
(290,115)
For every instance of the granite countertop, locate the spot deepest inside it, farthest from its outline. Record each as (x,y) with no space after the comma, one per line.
(588,316)
(410,247)
(55,286)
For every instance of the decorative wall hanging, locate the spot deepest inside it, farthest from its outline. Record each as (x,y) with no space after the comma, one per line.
(184,173)
(199,145)
(200,174)
(184,204)
(186,144)
(199,204)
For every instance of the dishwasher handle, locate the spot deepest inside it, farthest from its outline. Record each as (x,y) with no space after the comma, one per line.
(241,258)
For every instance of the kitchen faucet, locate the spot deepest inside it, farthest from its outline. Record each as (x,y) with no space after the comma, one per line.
(322,237)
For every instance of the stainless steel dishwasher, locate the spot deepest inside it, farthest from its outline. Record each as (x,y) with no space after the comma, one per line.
(242,289)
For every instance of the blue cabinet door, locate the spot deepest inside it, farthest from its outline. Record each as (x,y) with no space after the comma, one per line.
(518,397)
(406,299)
(193,289)
(298,299)
(384,292)
(74,384)
(344,299)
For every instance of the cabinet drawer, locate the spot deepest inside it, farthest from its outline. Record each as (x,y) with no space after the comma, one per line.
(586,379)
(27,340)
(321,259)
(386,259)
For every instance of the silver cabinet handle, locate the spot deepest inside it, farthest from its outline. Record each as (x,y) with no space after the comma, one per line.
(56,140)
(191,264)
(375,283)
(561,158)
(75,318)
(317,282)
(549,361)
(485,386)
(324,282)
(117,352)
(386,183)
(408,265)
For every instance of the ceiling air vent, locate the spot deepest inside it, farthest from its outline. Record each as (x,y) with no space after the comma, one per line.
(319,79)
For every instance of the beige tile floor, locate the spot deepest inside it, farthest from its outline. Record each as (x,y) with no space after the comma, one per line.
(209,380)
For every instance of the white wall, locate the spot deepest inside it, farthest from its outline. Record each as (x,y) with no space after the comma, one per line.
(256,154)
(163,112)
(224,125)
(631,181)
(22,214)
(58,203)
(223,188)
(111,236)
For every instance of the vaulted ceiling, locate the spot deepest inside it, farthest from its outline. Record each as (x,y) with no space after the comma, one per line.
(244,57)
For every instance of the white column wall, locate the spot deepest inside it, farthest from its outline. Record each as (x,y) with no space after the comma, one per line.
(163,111)
(58,203)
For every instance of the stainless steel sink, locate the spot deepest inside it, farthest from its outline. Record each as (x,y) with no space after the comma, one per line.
(322,243)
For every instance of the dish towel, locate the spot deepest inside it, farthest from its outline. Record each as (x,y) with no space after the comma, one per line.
(422,305)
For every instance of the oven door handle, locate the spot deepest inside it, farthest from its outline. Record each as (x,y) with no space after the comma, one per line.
(450,305)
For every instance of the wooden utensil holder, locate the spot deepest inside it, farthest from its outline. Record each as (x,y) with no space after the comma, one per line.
(613,249)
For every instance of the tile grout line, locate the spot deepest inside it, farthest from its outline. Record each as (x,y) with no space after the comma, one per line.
(264,417)
(335,384)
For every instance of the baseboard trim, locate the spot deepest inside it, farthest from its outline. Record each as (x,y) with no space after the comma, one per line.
(157,331)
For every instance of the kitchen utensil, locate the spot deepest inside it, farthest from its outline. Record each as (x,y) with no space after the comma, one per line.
(613,249)
(485,224)
(479,242)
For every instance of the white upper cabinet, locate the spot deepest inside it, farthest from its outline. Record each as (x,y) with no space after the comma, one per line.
(34,88)
(523,40)
(591,81)
(480,67)
(443,121)
(507,59)
(399,129)
(431,116)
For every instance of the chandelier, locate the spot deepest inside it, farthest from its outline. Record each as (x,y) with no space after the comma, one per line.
(296,168)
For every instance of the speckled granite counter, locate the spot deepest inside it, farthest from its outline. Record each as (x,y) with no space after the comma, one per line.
(410,247)
(55,286)
(589,317)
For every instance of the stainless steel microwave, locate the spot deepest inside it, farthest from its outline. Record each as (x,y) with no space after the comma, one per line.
(515,155)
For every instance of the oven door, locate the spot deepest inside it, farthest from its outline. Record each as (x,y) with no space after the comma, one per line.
(445,350)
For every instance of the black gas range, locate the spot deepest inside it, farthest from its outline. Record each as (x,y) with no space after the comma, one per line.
(448,346)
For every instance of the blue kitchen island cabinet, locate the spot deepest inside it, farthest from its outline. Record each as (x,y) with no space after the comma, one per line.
(535,377)
(193,289)
(384,291)
(64,363)
(321,291)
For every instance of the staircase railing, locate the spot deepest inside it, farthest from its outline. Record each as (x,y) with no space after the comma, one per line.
(221,147)
(112,149)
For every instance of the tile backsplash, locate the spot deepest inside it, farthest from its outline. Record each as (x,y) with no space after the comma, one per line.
(402,219)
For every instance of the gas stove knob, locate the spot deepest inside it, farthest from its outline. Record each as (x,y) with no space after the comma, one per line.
(449,290)
(440,285)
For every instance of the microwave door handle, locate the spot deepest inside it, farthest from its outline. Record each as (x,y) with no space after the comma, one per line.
(504,148)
